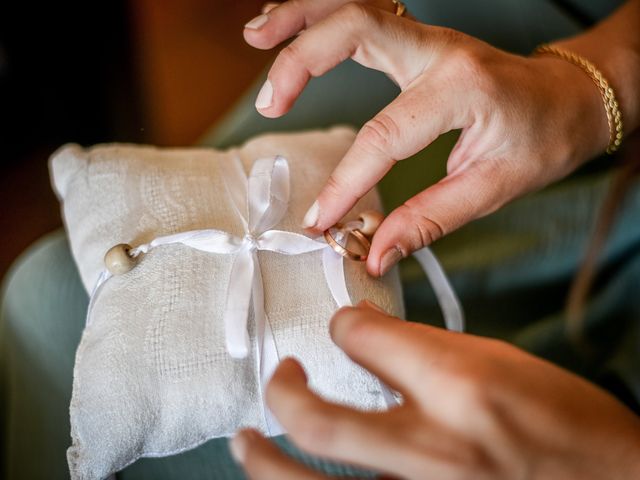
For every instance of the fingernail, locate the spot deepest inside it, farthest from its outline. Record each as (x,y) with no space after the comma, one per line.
(265,95)
(267,7)
(257,22)
(389,259)
(311,217)
(238,446)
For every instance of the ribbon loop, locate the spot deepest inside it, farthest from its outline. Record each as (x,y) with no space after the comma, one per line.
(268,193)
(235,183)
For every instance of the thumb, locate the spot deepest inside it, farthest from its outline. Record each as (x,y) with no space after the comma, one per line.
(452,202)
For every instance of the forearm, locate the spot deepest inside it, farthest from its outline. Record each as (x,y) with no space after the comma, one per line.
(614,47)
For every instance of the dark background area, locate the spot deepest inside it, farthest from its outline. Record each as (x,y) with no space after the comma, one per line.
(65,74)
(87,72)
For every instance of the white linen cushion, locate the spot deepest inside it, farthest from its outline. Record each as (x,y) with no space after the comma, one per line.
(152,376)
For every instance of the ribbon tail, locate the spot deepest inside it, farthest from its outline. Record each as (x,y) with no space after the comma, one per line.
(447,298)
(104,276)
(267,357)
(333,265)
(237,307)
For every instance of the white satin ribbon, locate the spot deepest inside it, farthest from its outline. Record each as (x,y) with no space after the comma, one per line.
(260,202)
(266,196)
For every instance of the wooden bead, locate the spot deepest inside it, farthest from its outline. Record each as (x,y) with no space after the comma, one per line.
(118,261)
(371,220)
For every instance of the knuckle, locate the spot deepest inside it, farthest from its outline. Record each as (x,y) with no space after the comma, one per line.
(474,65)
(301,7)
(469,60)
(291,54)
(427,229)
(470,461)
(335,186)
(474,385)
(381,133)
(343,189)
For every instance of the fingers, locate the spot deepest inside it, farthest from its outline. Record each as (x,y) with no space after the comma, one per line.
(364,333)
(401,48)
(280,21)
(262,460)
(373,38)
(368,439)
(454,201)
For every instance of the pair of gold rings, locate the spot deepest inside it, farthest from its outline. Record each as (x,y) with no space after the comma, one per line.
(345,252)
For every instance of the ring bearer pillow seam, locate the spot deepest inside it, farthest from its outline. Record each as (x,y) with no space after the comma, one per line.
(152,376)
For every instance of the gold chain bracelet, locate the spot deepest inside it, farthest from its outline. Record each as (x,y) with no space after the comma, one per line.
(614,116)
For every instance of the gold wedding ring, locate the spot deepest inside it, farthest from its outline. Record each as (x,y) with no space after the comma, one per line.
(358,235)
(401,8)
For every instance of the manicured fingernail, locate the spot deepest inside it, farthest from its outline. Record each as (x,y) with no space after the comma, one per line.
(267,7)
(311,217)
(265,96)
(258,22)
(239,444)
(389,259)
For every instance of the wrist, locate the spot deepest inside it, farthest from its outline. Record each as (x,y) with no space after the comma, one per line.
(609,100)
(613,46)
(576,109)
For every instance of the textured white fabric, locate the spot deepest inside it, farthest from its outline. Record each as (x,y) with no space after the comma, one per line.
(152,374)
(266,201)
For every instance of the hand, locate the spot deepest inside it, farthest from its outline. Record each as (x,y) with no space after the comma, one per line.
(525,121)
(473,408)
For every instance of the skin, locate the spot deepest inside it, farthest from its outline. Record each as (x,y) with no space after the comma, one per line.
(473,407)
(449,80)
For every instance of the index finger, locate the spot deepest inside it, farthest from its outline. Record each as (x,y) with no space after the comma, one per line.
(404,127)
(280,21)
(407,356)
(370,439)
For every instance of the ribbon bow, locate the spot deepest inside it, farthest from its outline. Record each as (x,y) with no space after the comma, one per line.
(260,202)
(266,197)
